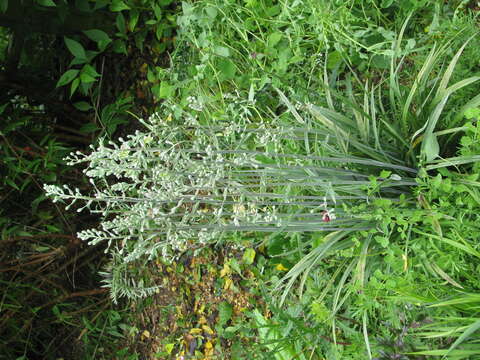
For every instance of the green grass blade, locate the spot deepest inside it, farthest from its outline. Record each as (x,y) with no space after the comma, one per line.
(466,334)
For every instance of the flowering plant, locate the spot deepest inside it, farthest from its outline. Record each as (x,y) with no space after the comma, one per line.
(175,187)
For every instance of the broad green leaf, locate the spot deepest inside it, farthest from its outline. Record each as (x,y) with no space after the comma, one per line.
(222,51)
(75,48)
(169,348)
(274,39)
(121,24)
(74,86)
(97,35)
(118,5)
(119,47)
(158,12)
(227,69)
(248,256)
(472,113)
(166,90)
(102,45)
(211,12)
(90,70)
(132,22)
(86,78)
(431,148)
(82,106)
(333,60)
(67,77)
(225,311)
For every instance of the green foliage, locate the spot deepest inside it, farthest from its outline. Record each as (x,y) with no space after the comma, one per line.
(133,22)
(329,133)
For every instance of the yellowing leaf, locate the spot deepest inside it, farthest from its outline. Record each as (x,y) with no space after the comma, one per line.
(195,331)
(228,284)
(208,350)
(249,256)
(405,262)
(145,334)
(207,329)
(169,348)
(280,267)
(225,271)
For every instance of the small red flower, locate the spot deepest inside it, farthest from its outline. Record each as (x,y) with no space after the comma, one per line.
(326,216)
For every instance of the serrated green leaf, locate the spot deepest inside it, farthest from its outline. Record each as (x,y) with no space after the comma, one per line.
(67,77)
(75,48)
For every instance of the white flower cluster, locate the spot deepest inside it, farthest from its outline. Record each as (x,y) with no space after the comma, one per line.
(176,187)
(195,103)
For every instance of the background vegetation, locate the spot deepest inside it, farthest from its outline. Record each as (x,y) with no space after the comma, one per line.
(267,179)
